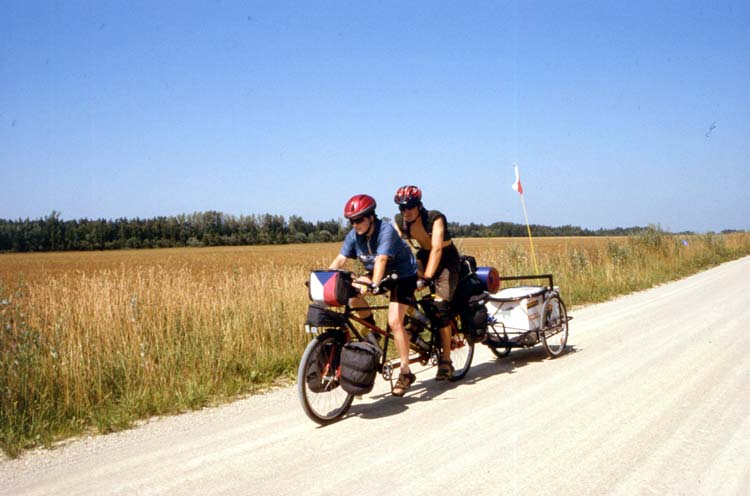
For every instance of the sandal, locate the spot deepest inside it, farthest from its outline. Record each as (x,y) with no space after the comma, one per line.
(445,370)
(403,383)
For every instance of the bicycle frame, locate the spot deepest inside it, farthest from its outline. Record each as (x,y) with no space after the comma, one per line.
(417,356)
(319,374)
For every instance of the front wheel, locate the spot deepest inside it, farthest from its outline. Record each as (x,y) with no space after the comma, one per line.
(318,387)
(554,327)
(462,353)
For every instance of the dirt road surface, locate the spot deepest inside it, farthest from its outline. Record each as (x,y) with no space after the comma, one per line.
(653,397)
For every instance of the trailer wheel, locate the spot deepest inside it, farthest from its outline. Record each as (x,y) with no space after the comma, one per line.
(554,327)
(500,352)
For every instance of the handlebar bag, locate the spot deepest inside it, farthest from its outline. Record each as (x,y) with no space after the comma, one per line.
(331,287)
(359,361)
(320,316)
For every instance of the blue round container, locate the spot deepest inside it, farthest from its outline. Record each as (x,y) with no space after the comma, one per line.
(490,278)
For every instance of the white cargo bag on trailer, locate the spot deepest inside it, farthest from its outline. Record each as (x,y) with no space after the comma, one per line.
(524,310)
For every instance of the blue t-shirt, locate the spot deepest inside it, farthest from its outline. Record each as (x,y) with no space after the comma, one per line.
(384,241)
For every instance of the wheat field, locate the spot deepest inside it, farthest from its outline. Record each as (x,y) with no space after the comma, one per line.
(98,340)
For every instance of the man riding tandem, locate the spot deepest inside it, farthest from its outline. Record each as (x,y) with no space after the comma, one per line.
(381,250)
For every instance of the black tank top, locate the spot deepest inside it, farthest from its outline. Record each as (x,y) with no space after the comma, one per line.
(450,257)
(428,219)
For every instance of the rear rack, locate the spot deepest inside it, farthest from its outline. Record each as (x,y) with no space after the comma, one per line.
(542,289)
(523,278)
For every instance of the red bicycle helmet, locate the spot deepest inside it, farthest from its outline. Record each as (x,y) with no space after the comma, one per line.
(408,196)
(358,206)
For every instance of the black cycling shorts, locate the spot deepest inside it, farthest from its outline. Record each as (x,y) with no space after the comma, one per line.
(402,289)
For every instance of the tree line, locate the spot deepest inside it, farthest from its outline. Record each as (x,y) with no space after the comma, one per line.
(51,233)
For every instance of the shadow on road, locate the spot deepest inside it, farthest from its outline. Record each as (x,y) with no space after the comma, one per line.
(428,389)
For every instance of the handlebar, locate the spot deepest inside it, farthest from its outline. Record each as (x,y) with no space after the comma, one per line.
(377,288)
(426,283)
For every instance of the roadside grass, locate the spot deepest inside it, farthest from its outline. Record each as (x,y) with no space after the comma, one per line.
(98,341)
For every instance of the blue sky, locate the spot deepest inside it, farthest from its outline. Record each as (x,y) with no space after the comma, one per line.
(617,113)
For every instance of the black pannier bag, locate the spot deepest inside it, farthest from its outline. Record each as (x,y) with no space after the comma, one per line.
(468,303)
(467,287)
(320,316)
(359,362)
(467,266)
(474,318)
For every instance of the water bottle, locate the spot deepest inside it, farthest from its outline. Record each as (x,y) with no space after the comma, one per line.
(421,343)
(415,314)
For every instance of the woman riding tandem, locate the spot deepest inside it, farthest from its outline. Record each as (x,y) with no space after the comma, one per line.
(438,261)
(379,248)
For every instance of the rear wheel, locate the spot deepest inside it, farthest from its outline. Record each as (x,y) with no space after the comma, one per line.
(462,353)
(554,327)
(318,388)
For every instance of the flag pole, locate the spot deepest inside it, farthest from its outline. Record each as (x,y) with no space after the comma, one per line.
(528,229)
(517,186)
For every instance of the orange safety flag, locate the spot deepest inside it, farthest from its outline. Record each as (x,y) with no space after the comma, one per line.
(517,185)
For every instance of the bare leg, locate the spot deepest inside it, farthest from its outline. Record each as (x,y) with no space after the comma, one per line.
(445,340)
(396,312)
(361,304)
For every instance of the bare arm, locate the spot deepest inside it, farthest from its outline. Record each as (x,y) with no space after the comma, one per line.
(338,262)
(378,271)
(436,252)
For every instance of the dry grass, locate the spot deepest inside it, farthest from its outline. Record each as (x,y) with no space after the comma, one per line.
(103,339)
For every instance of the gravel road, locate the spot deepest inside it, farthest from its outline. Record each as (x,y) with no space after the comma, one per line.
(653,396)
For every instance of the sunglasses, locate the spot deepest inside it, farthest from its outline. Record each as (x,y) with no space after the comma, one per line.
(357,220)
(406,207)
